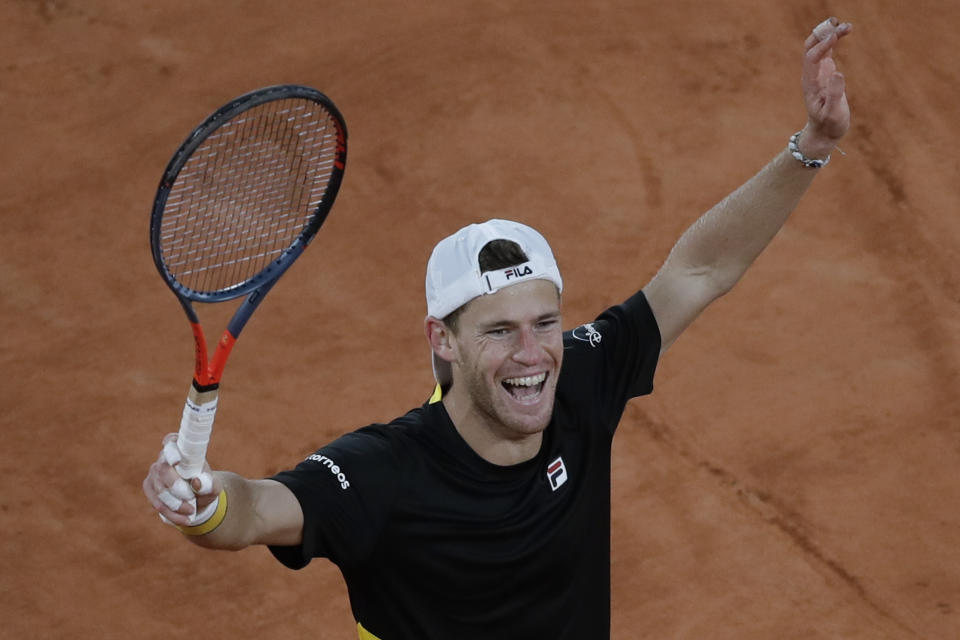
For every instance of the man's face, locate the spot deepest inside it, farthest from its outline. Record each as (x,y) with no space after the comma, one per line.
(508,351)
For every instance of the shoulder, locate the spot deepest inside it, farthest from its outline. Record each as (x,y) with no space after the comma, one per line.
(363,459)
(632,320)
(386,438)
(614,357)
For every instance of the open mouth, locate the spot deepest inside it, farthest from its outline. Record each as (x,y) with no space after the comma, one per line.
(525,388)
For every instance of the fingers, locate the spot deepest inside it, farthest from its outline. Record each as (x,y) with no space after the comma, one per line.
(158,488)
(172,502)
(819,70)
(825,35)
(825,29)
(833,94)
(171,452)
(203,484)
(835,85)
(177,500)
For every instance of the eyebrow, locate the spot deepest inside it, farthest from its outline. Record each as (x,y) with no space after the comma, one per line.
(550,315)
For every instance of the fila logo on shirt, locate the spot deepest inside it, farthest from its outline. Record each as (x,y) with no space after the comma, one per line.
(556,473)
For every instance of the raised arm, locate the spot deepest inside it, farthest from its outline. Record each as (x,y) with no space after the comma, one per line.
(236,512)
(713,254)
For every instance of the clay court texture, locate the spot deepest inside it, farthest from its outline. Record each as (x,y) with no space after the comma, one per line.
(795,474)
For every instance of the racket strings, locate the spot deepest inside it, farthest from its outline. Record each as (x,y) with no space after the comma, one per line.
(247,192)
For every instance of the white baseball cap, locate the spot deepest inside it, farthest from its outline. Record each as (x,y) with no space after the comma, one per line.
(454,277)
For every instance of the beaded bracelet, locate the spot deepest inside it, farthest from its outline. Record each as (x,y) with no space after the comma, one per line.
(812,163)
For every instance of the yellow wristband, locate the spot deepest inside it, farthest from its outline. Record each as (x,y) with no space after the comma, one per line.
(213,522)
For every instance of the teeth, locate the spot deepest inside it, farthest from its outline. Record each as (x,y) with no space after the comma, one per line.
(528,381)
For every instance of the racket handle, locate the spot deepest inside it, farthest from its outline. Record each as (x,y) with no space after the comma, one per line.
(196,426)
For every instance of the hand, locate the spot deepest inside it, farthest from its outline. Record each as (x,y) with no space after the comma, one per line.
(176,499)
(824,91)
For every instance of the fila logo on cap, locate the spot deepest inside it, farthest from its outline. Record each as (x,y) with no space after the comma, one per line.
(556,473)
(496,280)
(518,272)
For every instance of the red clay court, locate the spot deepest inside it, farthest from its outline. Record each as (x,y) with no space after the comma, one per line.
(795,473)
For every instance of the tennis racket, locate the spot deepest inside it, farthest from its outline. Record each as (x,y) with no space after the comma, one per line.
(238,203)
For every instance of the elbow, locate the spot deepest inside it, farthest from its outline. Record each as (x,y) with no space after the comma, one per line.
(722,279)
(715,282)
(723,286)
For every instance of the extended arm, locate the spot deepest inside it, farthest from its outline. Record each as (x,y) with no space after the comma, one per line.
(713,254)
(257,511)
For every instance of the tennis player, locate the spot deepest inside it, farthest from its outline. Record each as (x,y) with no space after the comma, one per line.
(485,512)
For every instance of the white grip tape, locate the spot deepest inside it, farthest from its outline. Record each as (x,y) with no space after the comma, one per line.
(196,426)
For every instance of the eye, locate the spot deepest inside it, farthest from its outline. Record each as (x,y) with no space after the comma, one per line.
(548,323)
(498,332)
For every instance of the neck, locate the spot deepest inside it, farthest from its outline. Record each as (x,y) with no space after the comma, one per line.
(490,439)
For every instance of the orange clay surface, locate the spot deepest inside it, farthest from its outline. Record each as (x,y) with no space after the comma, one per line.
(796,473)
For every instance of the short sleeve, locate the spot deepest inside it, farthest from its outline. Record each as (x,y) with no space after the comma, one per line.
(346,491)
(612,359)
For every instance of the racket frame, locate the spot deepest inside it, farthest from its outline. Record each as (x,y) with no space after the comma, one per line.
(208,371)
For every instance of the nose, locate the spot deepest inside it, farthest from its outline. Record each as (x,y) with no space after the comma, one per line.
(528,348)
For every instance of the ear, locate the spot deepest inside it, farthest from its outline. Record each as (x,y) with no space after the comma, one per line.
(440,338)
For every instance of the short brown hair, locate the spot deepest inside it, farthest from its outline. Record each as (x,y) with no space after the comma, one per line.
(496,254)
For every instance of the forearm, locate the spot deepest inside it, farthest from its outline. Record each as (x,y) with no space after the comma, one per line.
(725,241)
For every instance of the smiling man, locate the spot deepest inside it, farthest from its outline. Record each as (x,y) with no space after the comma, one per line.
(493,305)
(485,512)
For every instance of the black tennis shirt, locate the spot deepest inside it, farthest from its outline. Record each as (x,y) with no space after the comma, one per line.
(435,542)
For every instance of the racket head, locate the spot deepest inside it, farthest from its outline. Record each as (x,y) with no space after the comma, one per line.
(247,191)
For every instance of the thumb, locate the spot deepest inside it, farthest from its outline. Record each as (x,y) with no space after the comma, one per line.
(205,484)
(836,86)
